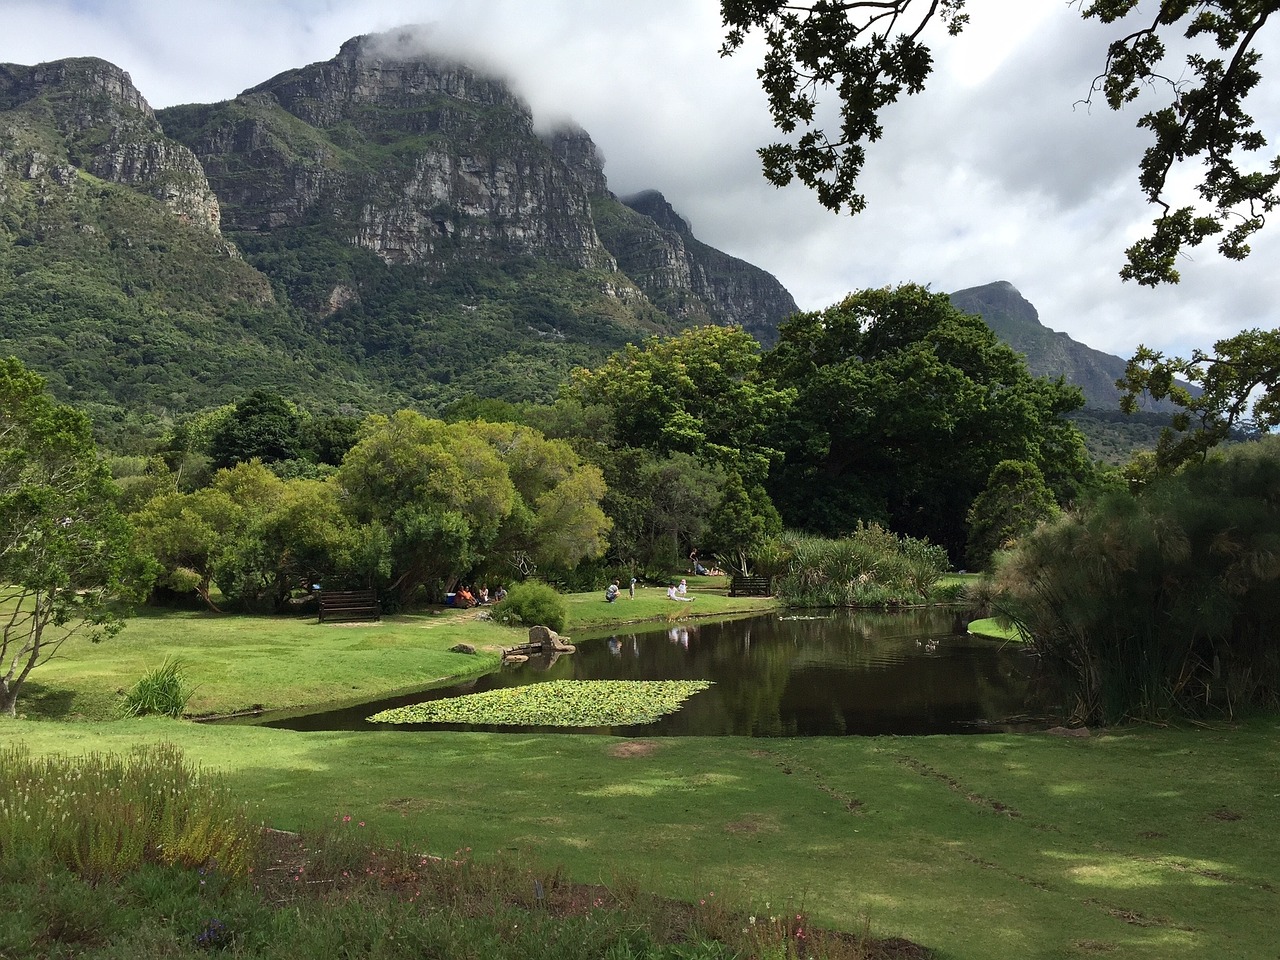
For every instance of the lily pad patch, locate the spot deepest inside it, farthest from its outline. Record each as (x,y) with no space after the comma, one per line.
(556,703)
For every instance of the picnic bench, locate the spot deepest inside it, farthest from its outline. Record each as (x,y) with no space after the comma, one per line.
(349,605)
(750,586)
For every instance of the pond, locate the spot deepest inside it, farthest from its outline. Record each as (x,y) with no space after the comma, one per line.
(820,673)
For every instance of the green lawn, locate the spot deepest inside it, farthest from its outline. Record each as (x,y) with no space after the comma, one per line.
(1136,843)
(238,663)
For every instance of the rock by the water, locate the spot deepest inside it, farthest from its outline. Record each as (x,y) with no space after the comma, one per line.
(549,640)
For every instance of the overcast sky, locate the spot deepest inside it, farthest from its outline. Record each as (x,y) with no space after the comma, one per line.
(994,173)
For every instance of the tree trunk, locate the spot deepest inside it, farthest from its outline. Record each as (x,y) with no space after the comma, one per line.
(203,591)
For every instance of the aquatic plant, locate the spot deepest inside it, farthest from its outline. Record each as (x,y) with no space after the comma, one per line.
(557,703)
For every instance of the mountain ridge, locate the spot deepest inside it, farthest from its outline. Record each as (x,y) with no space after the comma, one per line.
(388,227)
(1048,352)
(375,230)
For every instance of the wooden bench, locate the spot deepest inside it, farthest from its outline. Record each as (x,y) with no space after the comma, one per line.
(349,605)
(751,587)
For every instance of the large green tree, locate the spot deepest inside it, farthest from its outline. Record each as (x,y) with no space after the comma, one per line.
(65,554)
(1015,500)
(263,426)
(455,498)
(865,54)
(556,519)
(667,422)
(695,393)
(258,538)
(904,406)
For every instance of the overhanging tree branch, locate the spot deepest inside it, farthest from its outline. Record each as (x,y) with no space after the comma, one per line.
(865,55)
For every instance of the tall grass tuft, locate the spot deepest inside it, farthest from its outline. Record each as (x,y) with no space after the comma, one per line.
(872,567)
(334,893)
(164,691)
(102,816)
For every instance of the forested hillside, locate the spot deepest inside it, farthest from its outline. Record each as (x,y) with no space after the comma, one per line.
(384,229)
(380,230)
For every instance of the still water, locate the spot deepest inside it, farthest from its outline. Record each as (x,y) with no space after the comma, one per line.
(794,674)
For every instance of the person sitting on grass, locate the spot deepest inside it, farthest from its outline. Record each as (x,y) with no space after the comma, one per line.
(673,594)
(611,592)
(464,598)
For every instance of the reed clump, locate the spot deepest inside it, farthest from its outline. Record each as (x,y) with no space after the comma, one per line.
(871,568)
(104,815)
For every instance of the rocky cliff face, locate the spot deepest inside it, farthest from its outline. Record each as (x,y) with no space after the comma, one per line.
(428,162)
(106,128)
(696,282)
(413,157)
(408,236)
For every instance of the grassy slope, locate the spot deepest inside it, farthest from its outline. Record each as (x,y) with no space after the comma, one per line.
(1142,843)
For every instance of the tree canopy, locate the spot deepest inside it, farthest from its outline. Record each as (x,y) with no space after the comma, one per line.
(868,53)
(64,548)
(668,422)
(904,406)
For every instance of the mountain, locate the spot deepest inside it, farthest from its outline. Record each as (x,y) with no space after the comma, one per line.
(385,228)
(1049,353)
(118,284)
(1112,436)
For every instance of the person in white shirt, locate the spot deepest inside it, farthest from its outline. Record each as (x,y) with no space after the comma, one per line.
(673,594)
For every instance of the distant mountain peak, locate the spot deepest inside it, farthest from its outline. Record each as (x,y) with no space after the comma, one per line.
(1049,353)
(655,206)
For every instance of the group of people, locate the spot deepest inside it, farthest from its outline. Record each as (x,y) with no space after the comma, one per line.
(699,570)
(464,597)
(677,591)
(614,590)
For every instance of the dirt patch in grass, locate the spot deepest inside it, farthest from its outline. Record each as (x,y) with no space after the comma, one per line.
(790,766)
(633,748)
(1137,919)
(996,806)
(1093,946)
(751,824)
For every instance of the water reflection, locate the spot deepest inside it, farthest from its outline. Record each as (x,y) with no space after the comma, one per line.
(819,674)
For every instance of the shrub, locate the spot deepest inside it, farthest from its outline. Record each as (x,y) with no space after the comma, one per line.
(1164,603)
(163,691)
(872,567)
(533,604)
